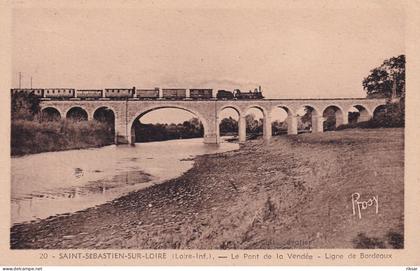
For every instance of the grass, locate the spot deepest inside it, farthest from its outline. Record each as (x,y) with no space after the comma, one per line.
(29,137)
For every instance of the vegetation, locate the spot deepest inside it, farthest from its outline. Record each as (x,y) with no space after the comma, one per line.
(25,106)
(35,136)
(380,82)
(193,128)
(31,133)
(387,81)
(229,126)
(159,132)
(390,115)
(254,127)
(279,127)
(391,240)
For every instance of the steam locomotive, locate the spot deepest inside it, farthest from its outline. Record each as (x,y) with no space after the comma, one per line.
(237,94)
(141,94)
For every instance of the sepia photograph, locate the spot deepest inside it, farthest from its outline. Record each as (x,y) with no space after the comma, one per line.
(208,127)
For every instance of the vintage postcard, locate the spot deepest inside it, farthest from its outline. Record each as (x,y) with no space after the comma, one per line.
(210,133)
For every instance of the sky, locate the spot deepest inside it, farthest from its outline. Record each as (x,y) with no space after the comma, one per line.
(291,52)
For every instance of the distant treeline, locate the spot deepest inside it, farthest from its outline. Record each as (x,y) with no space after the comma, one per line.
(160,132)
(193,129)
(254,127)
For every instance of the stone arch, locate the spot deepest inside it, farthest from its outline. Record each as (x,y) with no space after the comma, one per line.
(315,110)
(364,113)
(219,118)
(266,120)
(98,110)
(234,107)
(115,112)
(333,115)
(107,116)
(280,126)
(139,114)
(259,107)
(50,113)
(77,113)
(380,109)
(335,106)
(288,109)
(301,123)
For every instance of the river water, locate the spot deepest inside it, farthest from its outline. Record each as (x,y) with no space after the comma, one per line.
(54,183)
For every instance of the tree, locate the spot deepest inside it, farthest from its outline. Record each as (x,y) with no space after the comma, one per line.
(253,126)
(380,82)
(329,119)
(305,122)
(24,105)
(228,126)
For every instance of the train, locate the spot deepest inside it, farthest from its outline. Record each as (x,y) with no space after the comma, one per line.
(141,94)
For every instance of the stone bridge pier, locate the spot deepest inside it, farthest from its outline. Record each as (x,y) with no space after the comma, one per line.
(127,112)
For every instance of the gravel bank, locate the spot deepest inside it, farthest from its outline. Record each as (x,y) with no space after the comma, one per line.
(294,192)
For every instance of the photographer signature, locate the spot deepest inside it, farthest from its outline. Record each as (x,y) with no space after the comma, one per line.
(358,206)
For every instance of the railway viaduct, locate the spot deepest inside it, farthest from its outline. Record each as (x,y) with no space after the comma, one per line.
(126,112)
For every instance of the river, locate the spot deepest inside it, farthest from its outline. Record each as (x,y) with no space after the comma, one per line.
(52,183)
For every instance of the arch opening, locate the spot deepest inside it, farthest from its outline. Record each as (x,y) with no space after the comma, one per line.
(50,114)
(307,119)
(228,125)
(358,113)
(254,121)
(333,117)
(106,116)
(380,112)
(279,118)
(77,114)
(166,123)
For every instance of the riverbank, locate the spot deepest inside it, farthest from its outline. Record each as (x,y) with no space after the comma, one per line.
(28,137)
(294,192)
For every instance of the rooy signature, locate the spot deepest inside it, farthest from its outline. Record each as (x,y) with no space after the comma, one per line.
(363,205)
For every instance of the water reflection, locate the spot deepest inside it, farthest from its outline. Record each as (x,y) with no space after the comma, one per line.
(61,182)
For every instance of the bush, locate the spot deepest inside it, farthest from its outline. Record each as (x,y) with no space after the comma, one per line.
(363,241)
(392,239)
(34,137)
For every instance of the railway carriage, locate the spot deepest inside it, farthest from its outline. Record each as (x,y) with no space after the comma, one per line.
(146,94)
(201,93)
(59,93)
(174,93)
(119,93)
(89,93)
(39,92)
